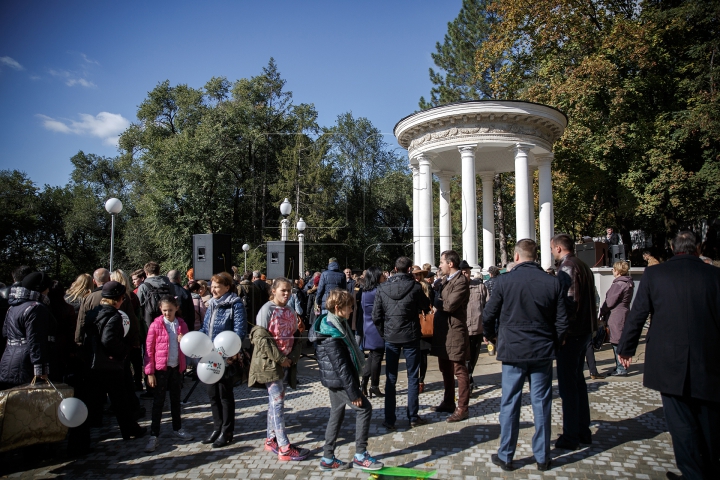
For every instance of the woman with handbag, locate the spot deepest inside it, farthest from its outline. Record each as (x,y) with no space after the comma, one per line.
(105,340)
(616,307)
(371,341)
(426,340)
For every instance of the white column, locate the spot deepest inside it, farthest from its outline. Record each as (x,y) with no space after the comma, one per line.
(522,203)
(546,209)
(531,203)
(488,219)
(444,215)
(416,212)
(469,205)
(425,193)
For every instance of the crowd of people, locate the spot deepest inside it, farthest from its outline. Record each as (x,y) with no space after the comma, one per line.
(111,335)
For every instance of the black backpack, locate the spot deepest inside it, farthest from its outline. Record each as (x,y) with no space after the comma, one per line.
(151,307)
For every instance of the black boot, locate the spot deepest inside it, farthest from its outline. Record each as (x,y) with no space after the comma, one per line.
(375,391)
(364,385)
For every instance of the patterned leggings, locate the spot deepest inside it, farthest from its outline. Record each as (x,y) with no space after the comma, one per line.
(276,414)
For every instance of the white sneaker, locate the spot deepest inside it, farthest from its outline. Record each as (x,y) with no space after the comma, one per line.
(152,444)
(183,434)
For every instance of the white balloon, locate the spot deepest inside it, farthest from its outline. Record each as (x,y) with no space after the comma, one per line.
(196,344)
(72,412)
(227,343)
(211,367)
(125,321)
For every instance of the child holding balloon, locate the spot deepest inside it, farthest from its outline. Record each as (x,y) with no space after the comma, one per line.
(275,349)
(164,365)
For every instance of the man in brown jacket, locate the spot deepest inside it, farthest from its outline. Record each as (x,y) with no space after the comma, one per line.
(451,342)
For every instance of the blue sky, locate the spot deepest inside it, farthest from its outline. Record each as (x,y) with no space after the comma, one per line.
(73,73)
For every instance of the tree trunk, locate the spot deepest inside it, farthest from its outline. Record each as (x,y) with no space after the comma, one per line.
(501,221)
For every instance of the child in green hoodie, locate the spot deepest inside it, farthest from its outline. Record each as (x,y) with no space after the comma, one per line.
(341,359)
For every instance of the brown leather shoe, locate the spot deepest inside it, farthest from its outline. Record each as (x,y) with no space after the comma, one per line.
(457,416)
(444,408)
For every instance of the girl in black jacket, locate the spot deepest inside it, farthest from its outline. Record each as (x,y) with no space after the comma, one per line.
(341,359)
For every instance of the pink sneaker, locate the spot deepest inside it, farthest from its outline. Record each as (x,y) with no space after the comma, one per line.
(293,453)
(271,445)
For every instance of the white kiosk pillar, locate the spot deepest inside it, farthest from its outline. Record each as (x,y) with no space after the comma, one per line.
(546,208)
(416,212)
(488,219)
(425,193)
(469,205)
(444,214)
(522,202)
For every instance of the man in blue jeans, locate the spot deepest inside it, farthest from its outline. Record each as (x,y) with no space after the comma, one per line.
(526,318)
(398,303)
(578,285)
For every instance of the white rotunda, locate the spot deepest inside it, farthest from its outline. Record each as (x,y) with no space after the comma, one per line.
(482,137)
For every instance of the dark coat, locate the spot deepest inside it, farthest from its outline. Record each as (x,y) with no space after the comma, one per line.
(397,307)
(526,313)
(185,301)
(113,333)
(371,339)
(451,339)
(578,285)
(478,298)
(336,367)
(330,279)
(262,287)
(350,285)
(682,353)
(253,299)
(93,300)
(617,306)
(30,324)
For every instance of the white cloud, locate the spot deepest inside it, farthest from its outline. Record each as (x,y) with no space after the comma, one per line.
(87,60)
(72,78)
(12,63)
(104,125)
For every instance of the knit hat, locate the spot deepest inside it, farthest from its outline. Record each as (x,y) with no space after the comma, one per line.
(36,281)
(113,289)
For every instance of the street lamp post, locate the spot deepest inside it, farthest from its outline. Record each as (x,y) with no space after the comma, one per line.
(113,207)
(285,209)
(245,248)
(301,225)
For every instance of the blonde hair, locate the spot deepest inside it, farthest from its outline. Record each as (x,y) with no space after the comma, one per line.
(427,267)
(622,267)
(80,288)
(339,298)
(120,277)
(111,301)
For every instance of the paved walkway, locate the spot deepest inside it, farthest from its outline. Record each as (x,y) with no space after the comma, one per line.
(629,441)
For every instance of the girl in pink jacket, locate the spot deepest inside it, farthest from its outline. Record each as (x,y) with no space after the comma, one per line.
(164,366)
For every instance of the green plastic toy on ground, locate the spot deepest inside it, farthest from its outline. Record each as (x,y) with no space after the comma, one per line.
(389,472)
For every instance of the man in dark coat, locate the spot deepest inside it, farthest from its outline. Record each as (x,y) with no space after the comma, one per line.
(682,358)
(251,296)
(396,311)
(330,279)
(526,317)
(184,298)
(262,288)
(451,341)
(579,288)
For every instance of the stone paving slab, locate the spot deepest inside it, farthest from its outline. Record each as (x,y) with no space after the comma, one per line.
(629,441)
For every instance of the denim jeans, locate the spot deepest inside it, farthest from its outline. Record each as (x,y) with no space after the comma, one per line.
(411,351)
(573,389)
(539,375)
(618,366)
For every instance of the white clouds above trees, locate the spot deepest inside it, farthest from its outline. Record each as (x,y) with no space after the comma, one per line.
(105,125)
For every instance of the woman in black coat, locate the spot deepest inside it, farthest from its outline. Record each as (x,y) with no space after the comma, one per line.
(30,330)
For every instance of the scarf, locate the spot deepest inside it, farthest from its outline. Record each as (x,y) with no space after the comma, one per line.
(22,293)
(336,327)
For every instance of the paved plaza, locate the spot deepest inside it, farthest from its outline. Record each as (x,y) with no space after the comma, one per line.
(630,439)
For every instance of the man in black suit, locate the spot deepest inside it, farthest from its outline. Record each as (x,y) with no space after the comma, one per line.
(682,356)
